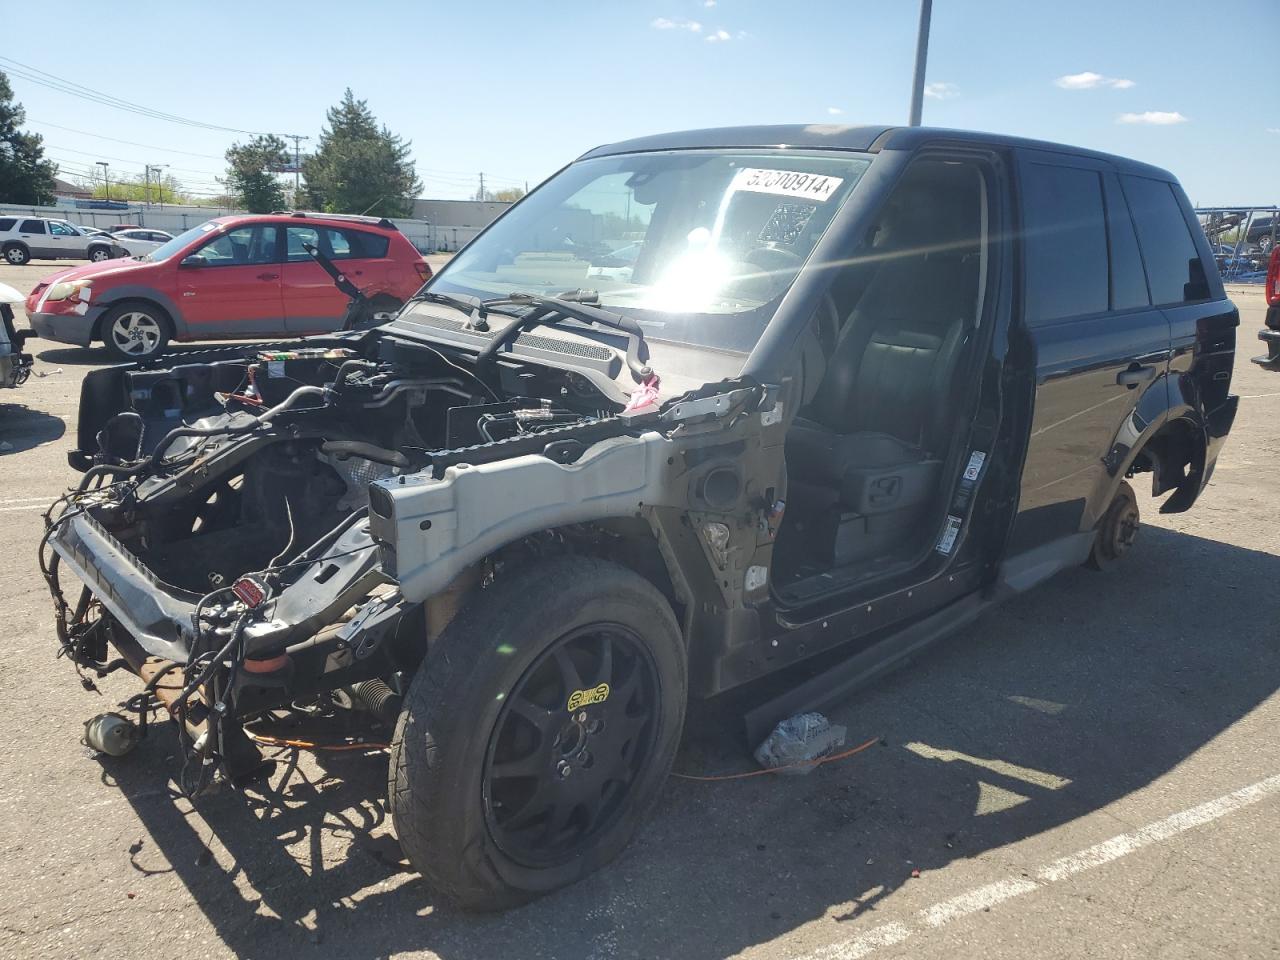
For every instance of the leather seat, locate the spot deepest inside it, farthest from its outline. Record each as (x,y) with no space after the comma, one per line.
(873,437)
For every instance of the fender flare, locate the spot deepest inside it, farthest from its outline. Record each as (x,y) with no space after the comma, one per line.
(118,295)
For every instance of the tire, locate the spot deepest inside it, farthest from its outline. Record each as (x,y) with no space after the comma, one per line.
(1265,245)
(99,254)
(470,772)
(1117,530)
(16,254)
(135,331)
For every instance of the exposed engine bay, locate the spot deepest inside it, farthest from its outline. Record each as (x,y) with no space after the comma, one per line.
(275,535)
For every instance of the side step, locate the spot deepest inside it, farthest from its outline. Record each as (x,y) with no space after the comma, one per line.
(843,679)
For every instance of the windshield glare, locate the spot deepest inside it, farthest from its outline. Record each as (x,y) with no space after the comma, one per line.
(170,247)
(698,246)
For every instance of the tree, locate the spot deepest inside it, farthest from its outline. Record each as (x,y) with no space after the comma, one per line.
(509,195)
(136,188)
(25,175)
(359,167)
(251,174)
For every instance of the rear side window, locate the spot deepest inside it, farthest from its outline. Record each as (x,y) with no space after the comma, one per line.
(32,226)
(358,244)
(1174,269)
(1128,280)
(1066,242)
(6,223)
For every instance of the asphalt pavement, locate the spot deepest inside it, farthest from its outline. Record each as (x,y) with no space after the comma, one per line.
(1090,771)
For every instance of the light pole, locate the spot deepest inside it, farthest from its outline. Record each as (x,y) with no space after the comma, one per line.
(106,182)
(922,54)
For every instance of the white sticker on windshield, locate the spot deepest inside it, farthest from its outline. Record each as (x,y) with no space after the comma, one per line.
(786,183)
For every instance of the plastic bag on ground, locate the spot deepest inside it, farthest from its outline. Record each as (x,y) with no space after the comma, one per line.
(806,736)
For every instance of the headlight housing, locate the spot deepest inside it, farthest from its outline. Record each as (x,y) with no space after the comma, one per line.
(73,290)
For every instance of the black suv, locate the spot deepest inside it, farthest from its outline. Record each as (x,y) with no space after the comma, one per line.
(849,387)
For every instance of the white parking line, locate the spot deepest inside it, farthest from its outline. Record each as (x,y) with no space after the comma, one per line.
(29,506)
(42,499)
(988,896)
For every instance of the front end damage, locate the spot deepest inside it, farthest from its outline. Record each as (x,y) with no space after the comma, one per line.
(277,536)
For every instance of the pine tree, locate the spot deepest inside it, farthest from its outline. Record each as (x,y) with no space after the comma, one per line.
(359,167)
(25,175)
(250,176)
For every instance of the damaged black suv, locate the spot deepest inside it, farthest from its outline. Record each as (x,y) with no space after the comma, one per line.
(700,407)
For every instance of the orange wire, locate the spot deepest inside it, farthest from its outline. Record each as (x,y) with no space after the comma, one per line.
(801,763)
(270,741)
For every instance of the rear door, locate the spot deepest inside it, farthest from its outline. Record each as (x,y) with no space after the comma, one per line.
(1102,350)
(235,289)
(35,234)
(312,304)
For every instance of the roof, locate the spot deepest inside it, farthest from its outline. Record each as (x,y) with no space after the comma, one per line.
(862,139)
(279,216)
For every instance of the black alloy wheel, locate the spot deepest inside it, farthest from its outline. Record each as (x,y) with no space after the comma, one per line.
(573,735)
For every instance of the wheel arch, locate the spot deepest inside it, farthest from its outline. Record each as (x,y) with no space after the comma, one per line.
(1175,456)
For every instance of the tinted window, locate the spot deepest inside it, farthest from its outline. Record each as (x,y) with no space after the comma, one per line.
(1174,270)
(1128,281)
(32,226)
(1066,242)
(371,246)
(6,223)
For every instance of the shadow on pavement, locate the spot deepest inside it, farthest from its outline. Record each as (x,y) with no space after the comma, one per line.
(22,428)
(1055,705)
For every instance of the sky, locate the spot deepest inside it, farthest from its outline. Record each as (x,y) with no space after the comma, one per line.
(518,88)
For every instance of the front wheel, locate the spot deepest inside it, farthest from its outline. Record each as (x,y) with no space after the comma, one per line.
(538,732)
(99,254)
(135,331)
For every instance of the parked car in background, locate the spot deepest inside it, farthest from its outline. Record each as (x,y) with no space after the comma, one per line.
(1263,233)
(135,242)
(1270,334)
(90,231)
(15,365)
(117,227)
(42,238)
(243,276)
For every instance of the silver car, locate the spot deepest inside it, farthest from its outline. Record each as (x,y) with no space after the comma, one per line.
(24,238)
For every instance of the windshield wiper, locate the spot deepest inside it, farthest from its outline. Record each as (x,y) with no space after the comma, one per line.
(477,310)
(581,305)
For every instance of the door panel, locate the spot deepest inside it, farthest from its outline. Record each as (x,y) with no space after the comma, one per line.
(1101,377)
(312,304)
(35,234)
(237,291)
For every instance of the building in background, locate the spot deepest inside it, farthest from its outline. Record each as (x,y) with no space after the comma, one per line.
(452,224)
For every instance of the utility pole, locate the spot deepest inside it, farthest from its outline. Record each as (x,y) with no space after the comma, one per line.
(922,54)
(106,182)
(481,196)
(157,167)
(297,139)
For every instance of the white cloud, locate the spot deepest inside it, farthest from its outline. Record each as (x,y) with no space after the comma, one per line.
(834,111)
(941,91)
(1089,80)
(1159,118)
(1273,129)
(666,23)
(708,3)
(719,36)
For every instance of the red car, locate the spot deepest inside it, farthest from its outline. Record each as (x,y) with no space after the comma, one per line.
(229,278)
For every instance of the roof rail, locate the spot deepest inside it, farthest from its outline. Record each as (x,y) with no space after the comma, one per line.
(372,221)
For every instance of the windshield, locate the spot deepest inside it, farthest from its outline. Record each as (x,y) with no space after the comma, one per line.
(698,246)
(178,243)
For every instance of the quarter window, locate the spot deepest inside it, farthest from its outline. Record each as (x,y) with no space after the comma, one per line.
(6,223)
(1066,242)
(1174,268)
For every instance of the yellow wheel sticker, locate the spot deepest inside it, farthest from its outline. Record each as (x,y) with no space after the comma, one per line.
(585,698)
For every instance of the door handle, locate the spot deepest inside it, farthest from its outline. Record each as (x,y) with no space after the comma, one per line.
(268,276)
(1135,375)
